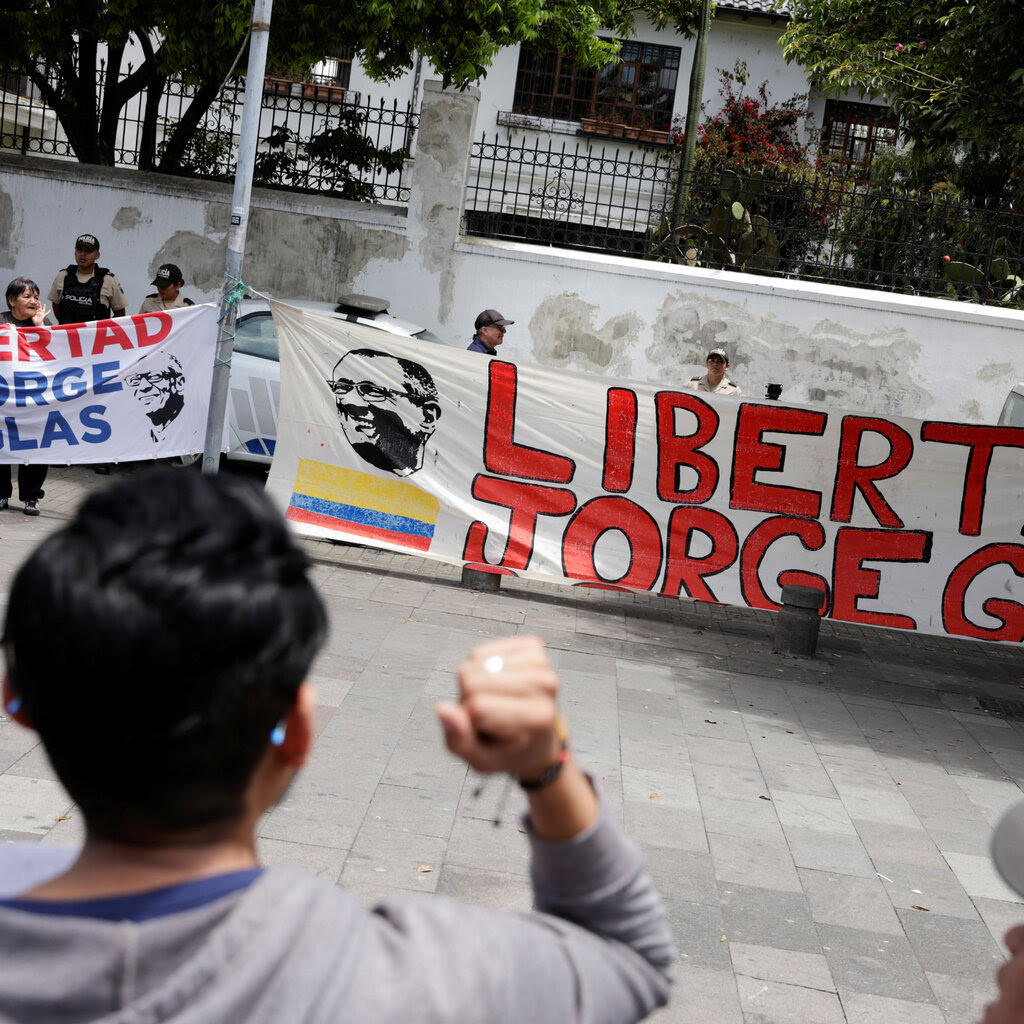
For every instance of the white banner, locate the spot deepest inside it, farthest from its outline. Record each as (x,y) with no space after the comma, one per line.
(133,388)
(527,470)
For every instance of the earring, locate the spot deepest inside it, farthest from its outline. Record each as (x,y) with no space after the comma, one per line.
(277,734)
(13,706)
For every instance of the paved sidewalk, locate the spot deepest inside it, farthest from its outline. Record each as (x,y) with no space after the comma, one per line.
(819,828)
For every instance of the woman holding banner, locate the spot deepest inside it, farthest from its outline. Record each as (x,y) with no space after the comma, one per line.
(23,310)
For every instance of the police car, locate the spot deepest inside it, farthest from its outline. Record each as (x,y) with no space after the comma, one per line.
(1012,414)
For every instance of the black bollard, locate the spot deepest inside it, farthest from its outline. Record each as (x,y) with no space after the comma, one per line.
(796,628)
(479,579)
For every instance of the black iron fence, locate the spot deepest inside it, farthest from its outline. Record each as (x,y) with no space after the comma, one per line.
(603,198)
(817,225)
(313,136)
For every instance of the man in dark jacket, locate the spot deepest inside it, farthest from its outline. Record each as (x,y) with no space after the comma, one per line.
(490,332)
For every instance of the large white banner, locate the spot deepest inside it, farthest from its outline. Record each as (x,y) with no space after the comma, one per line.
(528,470)
(129,389)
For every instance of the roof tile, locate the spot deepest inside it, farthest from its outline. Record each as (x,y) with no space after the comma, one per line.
(754,7)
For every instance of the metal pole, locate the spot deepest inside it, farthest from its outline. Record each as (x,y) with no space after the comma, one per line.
(247,141)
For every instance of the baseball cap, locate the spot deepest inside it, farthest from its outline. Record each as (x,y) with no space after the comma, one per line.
(168,273)
(720,352)
(491,316)
(87,242)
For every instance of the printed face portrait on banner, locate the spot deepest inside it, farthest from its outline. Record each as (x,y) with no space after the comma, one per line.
(159,385)
(387,406)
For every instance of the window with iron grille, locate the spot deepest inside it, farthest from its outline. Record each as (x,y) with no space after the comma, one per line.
(638,89)
(16,82)
(854,131)
(336,70)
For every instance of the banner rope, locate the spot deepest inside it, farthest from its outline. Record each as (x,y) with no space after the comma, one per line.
(231,298)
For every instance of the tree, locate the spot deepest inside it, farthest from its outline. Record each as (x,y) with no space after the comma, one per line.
(952,70)
(198,43)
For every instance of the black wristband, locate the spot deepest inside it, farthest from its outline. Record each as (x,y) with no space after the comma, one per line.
(551,774)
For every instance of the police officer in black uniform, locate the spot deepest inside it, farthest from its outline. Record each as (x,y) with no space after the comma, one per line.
(84,291)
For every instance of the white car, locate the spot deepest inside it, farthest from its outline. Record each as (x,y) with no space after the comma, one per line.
(255,384)
(1013,408)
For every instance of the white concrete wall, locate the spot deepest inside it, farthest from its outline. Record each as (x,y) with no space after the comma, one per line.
(843,347)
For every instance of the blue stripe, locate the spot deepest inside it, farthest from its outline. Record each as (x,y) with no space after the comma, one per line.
(366,516)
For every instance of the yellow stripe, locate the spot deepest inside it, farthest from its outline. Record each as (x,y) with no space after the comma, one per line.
(364,490)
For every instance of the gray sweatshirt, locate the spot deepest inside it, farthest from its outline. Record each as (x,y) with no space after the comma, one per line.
(293,948)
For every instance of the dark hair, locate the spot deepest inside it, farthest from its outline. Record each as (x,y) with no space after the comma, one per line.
(418,378)
(17,286)
(155,641)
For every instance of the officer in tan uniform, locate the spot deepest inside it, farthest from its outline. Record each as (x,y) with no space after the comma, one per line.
(715,380)
(168,295)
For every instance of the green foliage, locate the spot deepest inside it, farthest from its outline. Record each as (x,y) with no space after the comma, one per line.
(683,16)
(750,131)
(199,42)
(334,160)
(209,152)
(952,70)
(1000,281)
(751,204)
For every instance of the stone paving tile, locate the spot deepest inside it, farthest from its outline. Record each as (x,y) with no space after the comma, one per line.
(771,1002)
(790,777)
(951,945)
(702,995)
(865,1009)
(476,842)
(992,797)
(709,750)
(667,789)
(700,932)
(934,886)
(323,861)
(647,703)
(850,900)
(868,964)
(424,811)
(31,805)
(766,963)
(999,915)
(651,822)
(688,873)
(875,803)
(486,888)
(723,782)
(962,1000)
(821,813)
(979,878)
(386,856)
(740,859)
(751,817)
(33,764)
(826,851)
(766,917)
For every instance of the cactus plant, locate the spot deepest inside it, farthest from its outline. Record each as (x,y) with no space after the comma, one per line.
(1001,283)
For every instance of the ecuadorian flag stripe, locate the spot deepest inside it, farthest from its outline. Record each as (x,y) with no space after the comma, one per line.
(362,504)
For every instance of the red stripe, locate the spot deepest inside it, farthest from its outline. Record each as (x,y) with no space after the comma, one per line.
(405,540)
